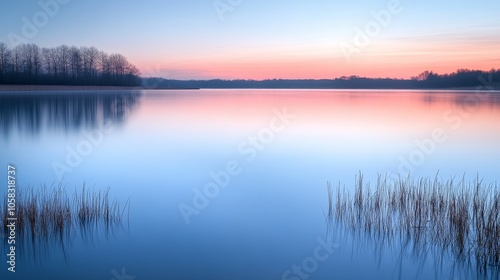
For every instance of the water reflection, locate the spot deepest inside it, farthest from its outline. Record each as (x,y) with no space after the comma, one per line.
(46,221)
(452,226)
(466,100)
(32,113)
(173,141)
(410,259)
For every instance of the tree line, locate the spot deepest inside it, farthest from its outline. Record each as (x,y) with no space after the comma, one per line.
(463,78)
(29,64)
(459,78)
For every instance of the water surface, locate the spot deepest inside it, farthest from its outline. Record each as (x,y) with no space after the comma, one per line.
(162,149)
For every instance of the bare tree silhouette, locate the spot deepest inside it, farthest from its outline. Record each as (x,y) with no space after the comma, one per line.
(28,64)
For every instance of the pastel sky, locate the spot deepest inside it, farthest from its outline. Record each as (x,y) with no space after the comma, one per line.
(261,39)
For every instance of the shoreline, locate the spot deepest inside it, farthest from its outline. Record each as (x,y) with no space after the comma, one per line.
(11,88)
(29,88)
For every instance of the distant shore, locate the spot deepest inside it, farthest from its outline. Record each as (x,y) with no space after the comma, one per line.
(20,88)
(4,88)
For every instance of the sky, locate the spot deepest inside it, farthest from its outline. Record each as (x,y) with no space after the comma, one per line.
(266,39)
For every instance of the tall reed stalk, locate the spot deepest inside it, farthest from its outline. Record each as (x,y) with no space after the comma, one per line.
(463,217)
(43,212)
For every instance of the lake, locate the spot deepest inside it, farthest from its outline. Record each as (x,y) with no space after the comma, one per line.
(232,184)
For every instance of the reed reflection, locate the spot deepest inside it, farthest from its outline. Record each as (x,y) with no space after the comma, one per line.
(48,220)
(455,225)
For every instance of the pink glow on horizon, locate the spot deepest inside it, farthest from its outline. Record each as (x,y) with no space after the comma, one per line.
(394,59)
(296,70)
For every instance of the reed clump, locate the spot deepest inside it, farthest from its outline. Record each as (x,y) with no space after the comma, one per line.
(460,217)
(44,212)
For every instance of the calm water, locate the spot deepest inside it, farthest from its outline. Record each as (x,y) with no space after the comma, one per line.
(271,152)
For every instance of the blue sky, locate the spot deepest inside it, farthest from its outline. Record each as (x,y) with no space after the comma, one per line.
(271,39)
